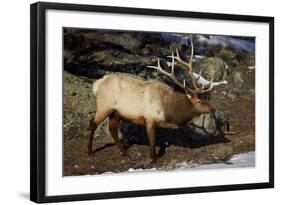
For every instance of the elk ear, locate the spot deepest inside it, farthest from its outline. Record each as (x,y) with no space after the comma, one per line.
(187,94)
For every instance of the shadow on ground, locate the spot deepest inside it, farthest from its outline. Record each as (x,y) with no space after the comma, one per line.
(182,137)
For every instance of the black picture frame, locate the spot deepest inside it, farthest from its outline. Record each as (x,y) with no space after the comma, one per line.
(38,101)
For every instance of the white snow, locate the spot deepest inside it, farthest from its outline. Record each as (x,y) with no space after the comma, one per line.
(238,44)
(244,159)
(141,170)
(199,56)
(225,65)
(236,161)
(251,67)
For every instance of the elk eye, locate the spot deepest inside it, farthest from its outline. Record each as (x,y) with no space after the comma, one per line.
(199,102)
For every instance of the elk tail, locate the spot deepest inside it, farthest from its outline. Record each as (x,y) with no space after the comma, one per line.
(97,84)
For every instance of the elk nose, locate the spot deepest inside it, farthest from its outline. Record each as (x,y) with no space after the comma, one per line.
(213,110)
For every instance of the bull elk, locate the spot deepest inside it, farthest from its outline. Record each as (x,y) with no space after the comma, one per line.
(151,103)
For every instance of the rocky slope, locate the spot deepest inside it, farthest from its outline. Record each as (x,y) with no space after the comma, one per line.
(89,55)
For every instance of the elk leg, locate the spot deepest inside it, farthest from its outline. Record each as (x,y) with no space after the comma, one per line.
(113,129)
(94,123)
(150,130)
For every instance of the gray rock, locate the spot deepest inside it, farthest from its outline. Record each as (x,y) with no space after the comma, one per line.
(209,124)
(226,54)
(204,124)
(231,96)
(126,40)
(252,92)
(212,67)
(238,79)
(78,108)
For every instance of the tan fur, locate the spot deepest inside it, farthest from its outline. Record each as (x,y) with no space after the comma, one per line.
(150,103)
(97,83)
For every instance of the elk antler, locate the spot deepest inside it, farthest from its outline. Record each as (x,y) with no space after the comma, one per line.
(188,68)
(204,86)
(171,75)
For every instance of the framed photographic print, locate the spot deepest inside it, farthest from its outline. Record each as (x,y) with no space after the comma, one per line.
(129,102)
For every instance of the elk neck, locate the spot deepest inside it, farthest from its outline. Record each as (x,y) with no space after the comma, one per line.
(179,109)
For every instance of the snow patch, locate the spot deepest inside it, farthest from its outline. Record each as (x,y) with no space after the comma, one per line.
(239,44)
(236,161)
(251,67)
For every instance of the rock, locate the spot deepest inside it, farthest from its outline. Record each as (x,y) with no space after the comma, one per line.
(252,92)
(92,54)
(224,152)
(127,41)
(247,58)
(226,54)
(79,106)
(209,124)
(204,124)
(231,96)
(212,67)
(219,117)
(171,165)
(238,79)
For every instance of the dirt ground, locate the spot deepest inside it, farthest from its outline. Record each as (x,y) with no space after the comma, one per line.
(172,146)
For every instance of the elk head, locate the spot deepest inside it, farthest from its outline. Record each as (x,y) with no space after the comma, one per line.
(199,106)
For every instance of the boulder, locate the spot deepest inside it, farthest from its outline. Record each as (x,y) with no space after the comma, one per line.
(238,79)
(204,124)
(127,41)
(208,124)
(212,67)
(94,54)
(226,54)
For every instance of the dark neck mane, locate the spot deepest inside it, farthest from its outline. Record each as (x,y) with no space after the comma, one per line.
(179,109)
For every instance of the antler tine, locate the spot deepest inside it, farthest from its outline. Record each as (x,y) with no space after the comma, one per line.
(187,65)
(178,58)
(199,75)
(210,83)
(173,64)
(159,68)
(189,71)
(192,51)
(171,75)
(201,90)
